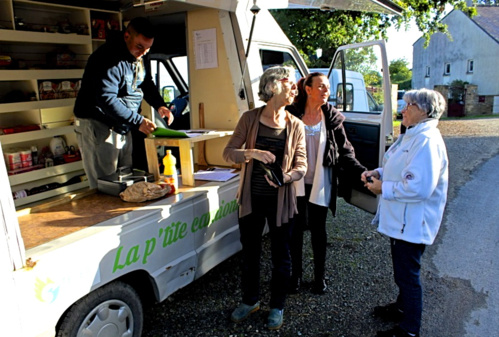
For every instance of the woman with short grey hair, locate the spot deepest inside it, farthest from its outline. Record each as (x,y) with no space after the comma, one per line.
(269,82)
(430,101)
(412,185)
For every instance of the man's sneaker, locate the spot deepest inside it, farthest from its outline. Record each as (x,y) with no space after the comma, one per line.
(275,319)
(243,311)
(396,332)
(389,312)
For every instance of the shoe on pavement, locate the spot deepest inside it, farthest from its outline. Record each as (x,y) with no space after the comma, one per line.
(389,313)
(275,319)
(395,332)
(243,311)
(319,287)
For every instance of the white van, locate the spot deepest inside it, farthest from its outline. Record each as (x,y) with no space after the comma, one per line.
(73,261)
(358,98)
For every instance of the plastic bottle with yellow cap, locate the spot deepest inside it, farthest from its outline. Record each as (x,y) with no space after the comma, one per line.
(170,170)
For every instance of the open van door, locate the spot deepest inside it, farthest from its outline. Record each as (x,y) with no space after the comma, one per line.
(369,127)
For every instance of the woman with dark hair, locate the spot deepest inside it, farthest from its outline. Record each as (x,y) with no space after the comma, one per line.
(413,186)
(264,136)
(328,150)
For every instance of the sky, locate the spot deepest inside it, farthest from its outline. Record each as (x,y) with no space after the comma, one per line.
(399,43)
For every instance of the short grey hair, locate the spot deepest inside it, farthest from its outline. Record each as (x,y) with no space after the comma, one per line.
(270,84)
(430,101)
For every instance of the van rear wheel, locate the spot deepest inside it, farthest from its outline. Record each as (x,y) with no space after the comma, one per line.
(113,310)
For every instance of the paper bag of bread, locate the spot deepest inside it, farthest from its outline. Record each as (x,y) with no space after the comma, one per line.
(144,191)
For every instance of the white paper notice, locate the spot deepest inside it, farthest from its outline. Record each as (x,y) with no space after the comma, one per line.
(215,174)
(205,42)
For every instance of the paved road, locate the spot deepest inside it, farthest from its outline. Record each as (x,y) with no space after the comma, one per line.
(462,268)
(469,250)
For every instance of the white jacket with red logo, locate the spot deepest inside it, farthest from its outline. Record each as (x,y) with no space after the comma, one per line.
(414,185)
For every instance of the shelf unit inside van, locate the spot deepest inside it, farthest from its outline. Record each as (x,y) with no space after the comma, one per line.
(46,43)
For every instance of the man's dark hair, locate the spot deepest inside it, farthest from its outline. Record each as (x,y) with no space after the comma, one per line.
(142,26)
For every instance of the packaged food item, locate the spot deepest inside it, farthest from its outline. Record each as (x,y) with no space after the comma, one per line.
(13,160)
(77,87)
(26,160)
(18,128)
(20,194)
(34,155)
(61,59)
(47,90)
(65,89)
(58,146)
(98,29)
(5,60)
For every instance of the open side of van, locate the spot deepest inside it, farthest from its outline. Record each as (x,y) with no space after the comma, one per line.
(369,127)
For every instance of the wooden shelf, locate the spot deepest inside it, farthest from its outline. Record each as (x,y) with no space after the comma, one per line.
(23,36)
(31,135)
(49,194)
(35,105)
(44,173)
(40,74)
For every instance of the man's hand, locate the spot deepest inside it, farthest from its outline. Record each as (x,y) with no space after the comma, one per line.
(147,126)
(165,112)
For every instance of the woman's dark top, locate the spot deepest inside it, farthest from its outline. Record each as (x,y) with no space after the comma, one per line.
(272,140)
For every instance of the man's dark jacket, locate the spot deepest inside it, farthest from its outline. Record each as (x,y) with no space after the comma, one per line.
(111,91)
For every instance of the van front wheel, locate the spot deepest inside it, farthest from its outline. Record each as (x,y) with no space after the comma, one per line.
(112,310)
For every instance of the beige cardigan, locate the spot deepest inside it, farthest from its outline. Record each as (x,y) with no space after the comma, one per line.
(294,162)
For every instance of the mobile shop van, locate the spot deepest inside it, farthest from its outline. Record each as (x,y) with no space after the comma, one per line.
(75,261)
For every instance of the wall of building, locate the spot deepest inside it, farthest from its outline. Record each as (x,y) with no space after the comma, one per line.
(474,104)
(470,42)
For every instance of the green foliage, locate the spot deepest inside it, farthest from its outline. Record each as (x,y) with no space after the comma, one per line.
(400,73)
(457,89)
(406,85)
(312,29)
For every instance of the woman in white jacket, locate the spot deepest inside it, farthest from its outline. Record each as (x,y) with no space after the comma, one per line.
(413,187)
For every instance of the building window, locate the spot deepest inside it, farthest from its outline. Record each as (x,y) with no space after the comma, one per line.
(447,69)
(470,66)
(427,72)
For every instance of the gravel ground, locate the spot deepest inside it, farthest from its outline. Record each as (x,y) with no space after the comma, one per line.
(358,267)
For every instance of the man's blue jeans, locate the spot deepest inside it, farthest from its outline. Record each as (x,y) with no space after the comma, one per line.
(406,258)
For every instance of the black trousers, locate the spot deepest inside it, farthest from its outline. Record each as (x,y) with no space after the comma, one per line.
(313,217)
(251,228)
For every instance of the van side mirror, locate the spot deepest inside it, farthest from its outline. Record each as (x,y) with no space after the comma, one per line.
(168,93)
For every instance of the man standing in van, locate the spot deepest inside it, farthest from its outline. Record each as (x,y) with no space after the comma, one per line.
(116,79)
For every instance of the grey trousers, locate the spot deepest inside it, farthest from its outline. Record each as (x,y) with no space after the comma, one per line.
(102,149)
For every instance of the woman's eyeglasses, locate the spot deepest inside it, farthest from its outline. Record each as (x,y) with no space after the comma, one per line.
(288,80)
(408,105)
